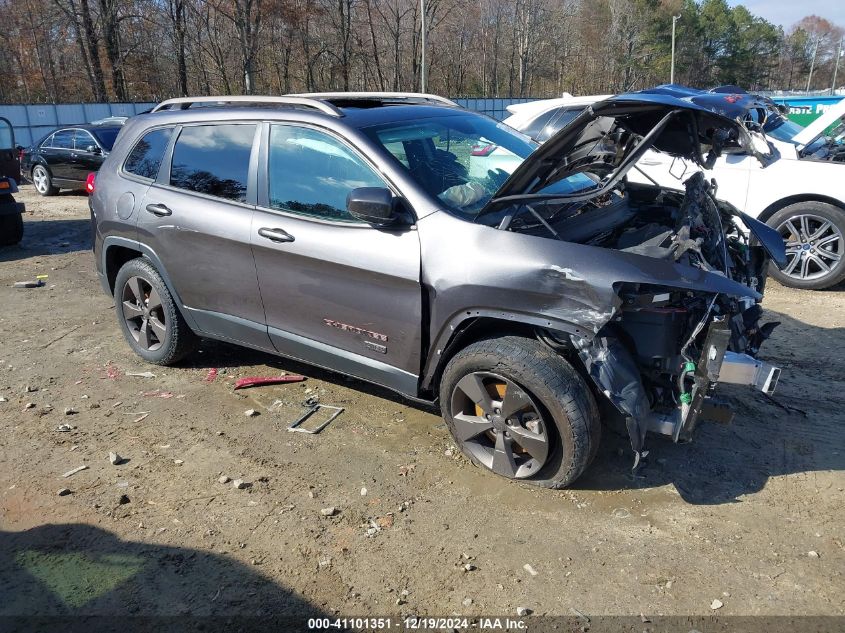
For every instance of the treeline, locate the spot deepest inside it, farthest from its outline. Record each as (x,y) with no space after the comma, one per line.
(133,50)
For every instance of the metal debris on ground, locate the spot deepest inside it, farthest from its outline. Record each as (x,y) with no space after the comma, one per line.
(295,426)
(257,381)
(158,393)
(75,470)
(141,374)
(38,282)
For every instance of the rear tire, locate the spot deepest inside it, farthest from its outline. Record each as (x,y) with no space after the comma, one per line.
(815,237)
(11,229)
(549,404)
(148,316)
(43,181)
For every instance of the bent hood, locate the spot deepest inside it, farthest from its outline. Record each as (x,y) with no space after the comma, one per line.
(816,129)
(609,137)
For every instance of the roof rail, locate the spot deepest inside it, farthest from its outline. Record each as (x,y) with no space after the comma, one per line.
(183,103)
(411,97)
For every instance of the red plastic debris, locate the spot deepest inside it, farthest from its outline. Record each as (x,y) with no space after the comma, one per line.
(255,381)
(212,375)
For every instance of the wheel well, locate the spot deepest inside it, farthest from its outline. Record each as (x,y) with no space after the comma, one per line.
(807,197)
(116,257)
(473,330)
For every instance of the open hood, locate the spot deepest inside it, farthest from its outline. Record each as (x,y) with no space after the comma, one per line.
(809,134)
(597,148)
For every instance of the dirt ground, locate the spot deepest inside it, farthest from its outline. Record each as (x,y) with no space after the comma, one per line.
(749,515)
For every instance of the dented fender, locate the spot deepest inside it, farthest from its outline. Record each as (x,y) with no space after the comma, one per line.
(471,271)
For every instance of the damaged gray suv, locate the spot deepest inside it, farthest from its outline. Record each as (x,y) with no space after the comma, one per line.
(380,236)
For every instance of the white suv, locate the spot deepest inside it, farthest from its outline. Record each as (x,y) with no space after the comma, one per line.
(802,195)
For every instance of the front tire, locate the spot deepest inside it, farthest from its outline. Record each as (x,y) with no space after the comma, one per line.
(814,233)
(43,181)
(519,409)
(148,316)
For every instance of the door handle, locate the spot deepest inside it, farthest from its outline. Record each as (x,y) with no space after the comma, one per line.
(158,209)
(275,235)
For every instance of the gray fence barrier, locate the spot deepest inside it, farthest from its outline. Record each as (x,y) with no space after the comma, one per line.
(33,121)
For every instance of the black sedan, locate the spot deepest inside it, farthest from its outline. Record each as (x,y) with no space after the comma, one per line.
(64,158)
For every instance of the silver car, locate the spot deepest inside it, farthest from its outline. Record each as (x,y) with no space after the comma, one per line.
(359,232)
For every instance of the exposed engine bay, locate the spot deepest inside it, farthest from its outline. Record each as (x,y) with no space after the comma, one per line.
(659,357)
(831,148)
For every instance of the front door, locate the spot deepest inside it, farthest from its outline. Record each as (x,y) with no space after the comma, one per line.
(87,156)
(196,217)
(337,292)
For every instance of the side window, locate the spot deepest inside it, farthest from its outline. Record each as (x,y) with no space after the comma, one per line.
(533,128)
(63,140)
(213,159)
(82,140)
(6,134)
(47,142)
(145,158)
(557,124)
(311,173)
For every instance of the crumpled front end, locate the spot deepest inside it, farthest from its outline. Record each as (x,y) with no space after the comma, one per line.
(659,358)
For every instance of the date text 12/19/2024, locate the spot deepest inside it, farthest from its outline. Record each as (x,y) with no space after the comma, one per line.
(414,623)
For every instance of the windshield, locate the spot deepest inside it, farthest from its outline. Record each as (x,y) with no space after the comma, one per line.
(782,129)
(461,159)
(106,136)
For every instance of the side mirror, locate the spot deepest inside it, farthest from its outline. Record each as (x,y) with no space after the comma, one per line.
(93,149)
(374,205)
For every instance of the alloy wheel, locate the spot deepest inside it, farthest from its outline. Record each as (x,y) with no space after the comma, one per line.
(814,246)
(143,313)
(500,425)
(40,179)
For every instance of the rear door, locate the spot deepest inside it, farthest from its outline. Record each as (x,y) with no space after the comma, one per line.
(337,292)
(56,152)
(197,218)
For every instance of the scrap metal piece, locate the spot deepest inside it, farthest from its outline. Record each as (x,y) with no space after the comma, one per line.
(295,426)
(742,369)
(256,381)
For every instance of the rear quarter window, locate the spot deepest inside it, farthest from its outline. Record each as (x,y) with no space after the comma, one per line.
(145,158)
(213,159)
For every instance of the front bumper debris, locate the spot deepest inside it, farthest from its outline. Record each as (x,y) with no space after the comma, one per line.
(715,365)
(742,369)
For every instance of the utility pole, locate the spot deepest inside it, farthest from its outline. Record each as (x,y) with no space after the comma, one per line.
(675,18)
(813,63)
(836,68)
(422,42)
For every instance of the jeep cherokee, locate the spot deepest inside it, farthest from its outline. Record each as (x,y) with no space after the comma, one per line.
(361,232)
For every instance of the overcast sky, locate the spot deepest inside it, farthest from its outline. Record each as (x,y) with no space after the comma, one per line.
(788,12)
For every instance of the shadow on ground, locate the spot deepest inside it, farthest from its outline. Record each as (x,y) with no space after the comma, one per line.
(73,571)
(49,237)
(796,432)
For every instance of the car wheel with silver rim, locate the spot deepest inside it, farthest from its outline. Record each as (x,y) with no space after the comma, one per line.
(43,181)
(814,234)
